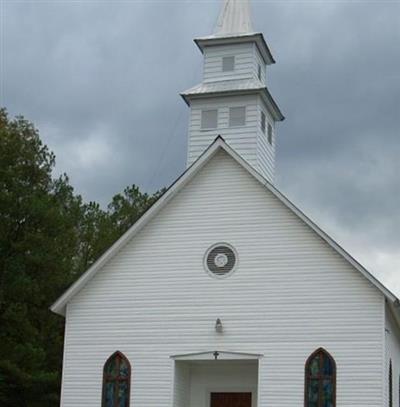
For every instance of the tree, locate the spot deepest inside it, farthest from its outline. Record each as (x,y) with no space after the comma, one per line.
(38,217)
(127,207)
(48,237)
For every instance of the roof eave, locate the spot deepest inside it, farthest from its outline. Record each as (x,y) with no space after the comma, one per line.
(269,100)
(258,38)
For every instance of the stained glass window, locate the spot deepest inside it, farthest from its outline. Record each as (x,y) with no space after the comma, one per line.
(116,381)
(320,390)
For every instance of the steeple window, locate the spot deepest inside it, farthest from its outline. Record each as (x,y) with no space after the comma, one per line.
(270,134)
(237,116)
(228,64)
(209,119)
(263,121)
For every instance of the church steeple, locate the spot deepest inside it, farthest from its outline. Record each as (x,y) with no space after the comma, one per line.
(233,100)
(234,18)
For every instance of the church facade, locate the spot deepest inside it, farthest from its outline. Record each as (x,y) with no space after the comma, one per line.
(224,294)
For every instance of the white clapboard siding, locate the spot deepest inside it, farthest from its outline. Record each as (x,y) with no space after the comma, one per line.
(248,141)
(392,346)
(266,151)
(290,294)
(242,139)
(181,383)
(258,61)
(244,62)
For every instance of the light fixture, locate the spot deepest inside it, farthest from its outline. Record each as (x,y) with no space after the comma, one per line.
(218,326)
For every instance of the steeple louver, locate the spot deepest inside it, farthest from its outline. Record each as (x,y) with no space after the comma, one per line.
(235,18)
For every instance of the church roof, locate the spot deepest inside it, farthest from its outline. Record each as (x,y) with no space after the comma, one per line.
(234,26)
(234,18)
(228,85)
(234,86)
(218,145)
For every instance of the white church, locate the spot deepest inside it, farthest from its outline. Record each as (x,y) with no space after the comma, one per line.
(224,294)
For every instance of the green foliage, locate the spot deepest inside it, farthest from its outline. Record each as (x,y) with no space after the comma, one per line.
(48,237)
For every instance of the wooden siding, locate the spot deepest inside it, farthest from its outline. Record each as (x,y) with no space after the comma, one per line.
(392,352)
(181,386)
(248,141)
(242,139)
(290,294)
(266,151)
(258,60)
(244,62)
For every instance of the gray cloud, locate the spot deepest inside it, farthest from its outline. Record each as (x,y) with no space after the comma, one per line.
(101,82)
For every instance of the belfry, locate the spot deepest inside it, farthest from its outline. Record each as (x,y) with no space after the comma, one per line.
(233,100)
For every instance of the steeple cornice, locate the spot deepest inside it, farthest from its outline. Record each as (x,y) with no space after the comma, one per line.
(257,38)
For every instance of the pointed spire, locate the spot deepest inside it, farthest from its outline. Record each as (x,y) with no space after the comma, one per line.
(235,18)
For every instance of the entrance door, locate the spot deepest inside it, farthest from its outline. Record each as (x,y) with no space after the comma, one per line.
(230,400)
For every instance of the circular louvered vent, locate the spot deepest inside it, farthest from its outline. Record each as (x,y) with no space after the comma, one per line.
(220,260)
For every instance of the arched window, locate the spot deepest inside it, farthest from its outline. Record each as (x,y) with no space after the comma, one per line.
(320,380)
(116,381)
(390,384)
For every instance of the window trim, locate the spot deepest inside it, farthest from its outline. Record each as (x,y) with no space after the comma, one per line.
(245,117)
(201,119)
(307,377)
(127,380)
(224,58)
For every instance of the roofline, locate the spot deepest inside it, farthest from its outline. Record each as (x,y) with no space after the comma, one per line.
(59,305)
(256,37)
(269,100)
(218,144)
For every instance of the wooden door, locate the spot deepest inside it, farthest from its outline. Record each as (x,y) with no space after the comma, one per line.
(230,400)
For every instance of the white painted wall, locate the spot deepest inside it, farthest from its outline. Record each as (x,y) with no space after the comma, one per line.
(181,396)
(222,377)
(265,150)
(241,138)
(246,56)
(392,346)
(248,141)
(258,60)
(290,294)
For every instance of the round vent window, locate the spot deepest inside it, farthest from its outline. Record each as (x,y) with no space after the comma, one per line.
(220,260)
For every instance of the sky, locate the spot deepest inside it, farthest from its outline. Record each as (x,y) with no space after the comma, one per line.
(101,82)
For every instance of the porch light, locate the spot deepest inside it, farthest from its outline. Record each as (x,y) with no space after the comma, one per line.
(218,326)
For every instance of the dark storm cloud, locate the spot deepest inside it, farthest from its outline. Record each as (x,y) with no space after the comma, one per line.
(101,81)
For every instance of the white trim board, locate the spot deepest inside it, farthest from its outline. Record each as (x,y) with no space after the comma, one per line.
(222,355)
(59,306)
